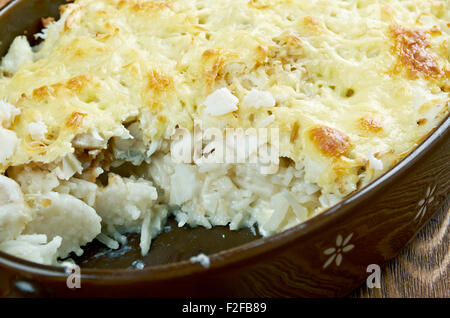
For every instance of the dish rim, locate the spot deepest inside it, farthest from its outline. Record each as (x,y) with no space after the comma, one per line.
(236,254)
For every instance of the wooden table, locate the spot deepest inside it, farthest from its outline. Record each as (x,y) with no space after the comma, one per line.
(3,3)
(422,269)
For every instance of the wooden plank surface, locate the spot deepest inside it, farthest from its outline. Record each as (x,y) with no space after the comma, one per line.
(422,269)
(3,3)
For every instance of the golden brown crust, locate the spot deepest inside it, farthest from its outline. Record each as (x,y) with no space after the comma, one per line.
(75,120)
(159,82)
(77,83)
(330,141)
(411,46)
(73,85)
(45,91)
(370,124)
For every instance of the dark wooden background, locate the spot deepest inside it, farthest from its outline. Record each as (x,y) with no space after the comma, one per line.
(421,269)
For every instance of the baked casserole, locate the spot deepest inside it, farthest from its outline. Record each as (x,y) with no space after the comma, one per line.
(92,118)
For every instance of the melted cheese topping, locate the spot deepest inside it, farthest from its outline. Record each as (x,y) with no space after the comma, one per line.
(350,80)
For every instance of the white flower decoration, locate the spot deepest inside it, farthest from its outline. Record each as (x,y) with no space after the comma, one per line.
(424,203)
(336,252)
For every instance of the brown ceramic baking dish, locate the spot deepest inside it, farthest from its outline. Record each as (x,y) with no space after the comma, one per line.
(326,256)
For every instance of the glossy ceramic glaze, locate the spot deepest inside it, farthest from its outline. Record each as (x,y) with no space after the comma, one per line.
(327,256)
